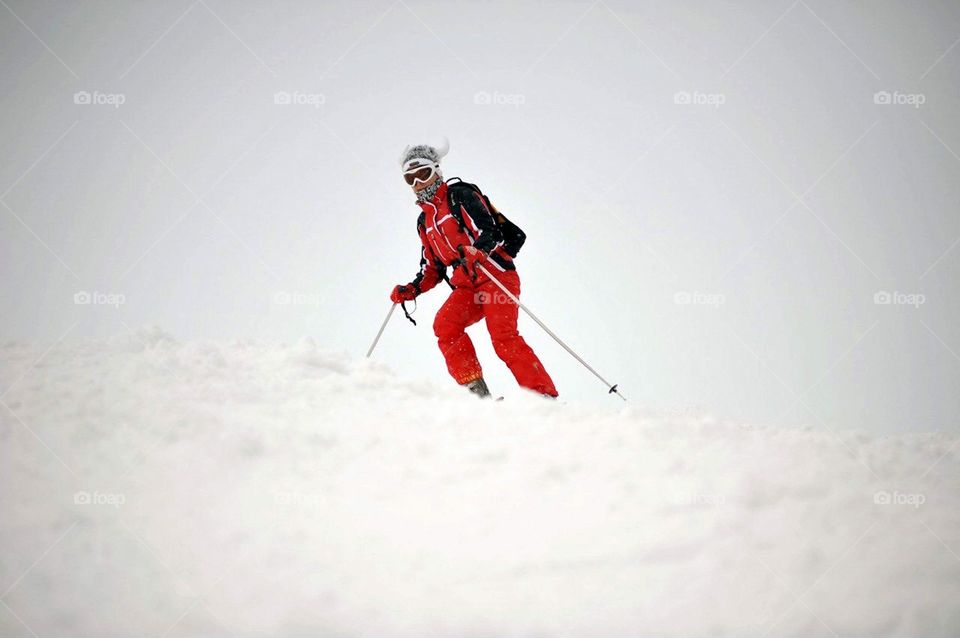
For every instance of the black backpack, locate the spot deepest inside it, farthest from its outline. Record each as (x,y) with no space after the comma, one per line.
(513,236)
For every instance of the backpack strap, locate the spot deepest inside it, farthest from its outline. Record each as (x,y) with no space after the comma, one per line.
(453,186)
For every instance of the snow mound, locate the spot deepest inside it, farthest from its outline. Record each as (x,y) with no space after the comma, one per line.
(152,487)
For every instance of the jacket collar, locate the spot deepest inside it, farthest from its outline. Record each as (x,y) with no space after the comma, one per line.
(438,198)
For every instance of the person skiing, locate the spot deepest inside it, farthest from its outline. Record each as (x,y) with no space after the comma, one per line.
(458,228)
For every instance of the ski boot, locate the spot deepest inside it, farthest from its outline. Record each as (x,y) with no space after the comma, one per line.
(479,388)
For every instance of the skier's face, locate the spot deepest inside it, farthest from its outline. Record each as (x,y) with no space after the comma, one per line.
(419,186)
(421,176)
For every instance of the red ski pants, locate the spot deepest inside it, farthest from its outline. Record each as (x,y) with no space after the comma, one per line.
(468,305)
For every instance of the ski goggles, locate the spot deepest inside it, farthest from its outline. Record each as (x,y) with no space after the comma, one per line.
(419,174)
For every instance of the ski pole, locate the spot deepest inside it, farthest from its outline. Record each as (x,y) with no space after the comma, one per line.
(612,389)
(384,325)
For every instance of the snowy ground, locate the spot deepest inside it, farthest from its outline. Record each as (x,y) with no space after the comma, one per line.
(156,488)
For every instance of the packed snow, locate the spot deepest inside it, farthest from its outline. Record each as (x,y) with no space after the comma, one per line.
(158,488)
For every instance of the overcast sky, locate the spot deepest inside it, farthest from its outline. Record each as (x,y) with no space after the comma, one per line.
(749,208)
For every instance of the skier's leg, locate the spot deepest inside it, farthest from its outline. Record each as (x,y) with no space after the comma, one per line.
(501,315)
(457,312)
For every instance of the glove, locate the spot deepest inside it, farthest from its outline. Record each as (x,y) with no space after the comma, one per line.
(403,293)
(471,257)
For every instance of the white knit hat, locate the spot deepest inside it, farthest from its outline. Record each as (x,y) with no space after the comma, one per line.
(424,154)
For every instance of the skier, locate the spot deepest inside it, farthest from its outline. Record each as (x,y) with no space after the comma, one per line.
(458,228)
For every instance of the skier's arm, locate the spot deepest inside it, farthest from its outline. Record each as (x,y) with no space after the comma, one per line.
(429,275)
(490,236)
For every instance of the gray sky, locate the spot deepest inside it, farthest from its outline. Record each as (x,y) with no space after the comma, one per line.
(717,196)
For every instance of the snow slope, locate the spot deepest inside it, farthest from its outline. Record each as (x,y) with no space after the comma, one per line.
(158,488)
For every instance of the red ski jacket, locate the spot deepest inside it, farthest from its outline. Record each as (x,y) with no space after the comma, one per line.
(441,236)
